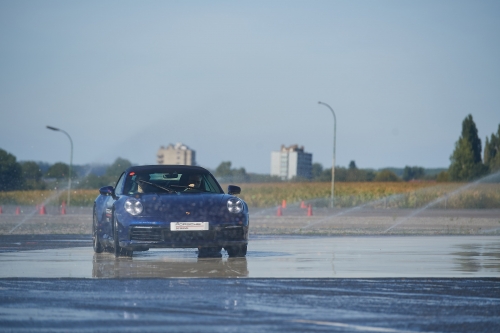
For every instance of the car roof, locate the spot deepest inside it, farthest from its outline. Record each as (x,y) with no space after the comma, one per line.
(166,168)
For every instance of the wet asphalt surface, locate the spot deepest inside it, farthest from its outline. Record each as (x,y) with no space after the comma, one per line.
(18,243)
(250,305)
(234,304)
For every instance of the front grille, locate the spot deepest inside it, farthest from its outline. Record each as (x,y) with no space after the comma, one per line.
(146,234)
(187,236)
(155,234)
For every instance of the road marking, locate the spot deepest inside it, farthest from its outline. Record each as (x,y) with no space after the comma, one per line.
(350,326)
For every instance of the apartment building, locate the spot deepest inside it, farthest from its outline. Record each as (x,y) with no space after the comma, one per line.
(178,154)
(291,162)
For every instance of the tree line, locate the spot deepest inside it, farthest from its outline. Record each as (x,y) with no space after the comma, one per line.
(353,174)
(31,175)
(467,162)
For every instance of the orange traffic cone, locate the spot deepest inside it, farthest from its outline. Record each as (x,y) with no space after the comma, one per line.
(43,211)
(309,210)
(279,213)
(283,204)
(303,205)
(18,211)
(63,208)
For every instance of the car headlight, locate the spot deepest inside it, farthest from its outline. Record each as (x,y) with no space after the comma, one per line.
(133,206)
(234,205)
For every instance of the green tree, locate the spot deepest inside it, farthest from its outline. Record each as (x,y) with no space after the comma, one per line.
(369,175)
(110,177)
(224,169)
(466,163)
(32,175)
(58,170)
(325,175)
(443,176)
(10,172)
(227,174)
(92,181)
(239,175)
(462,164)
(354,174)
(492,151)
(317,171)
(116,169)
(469,132)
(386,176)
(340,174)
(262,178)
(411,173)
(487,151)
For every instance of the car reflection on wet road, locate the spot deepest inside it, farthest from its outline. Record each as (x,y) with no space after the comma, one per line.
(285,283)
(269,257)
(104,266)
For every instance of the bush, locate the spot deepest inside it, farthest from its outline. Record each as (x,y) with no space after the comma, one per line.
(386,176)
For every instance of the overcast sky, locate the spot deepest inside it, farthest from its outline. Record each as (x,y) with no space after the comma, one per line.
(234,80)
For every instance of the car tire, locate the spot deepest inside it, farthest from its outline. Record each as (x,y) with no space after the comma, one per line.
(236,251)
(209,252)
(98,248)
(119,251)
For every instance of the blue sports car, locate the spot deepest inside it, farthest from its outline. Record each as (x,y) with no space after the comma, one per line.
(169,206)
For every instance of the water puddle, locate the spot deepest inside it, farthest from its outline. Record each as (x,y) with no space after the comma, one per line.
(282,257)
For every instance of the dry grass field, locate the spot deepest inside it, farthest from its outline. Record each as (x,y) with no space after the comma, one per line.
(389,195)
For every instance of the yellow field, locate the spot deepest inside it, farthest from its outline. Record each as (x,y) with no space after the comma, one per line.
(262,195)
(397,195)
(27,198)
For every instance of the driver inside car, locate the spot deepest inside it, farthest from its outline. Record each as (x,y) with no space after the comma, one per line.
(194,181)
(142,186)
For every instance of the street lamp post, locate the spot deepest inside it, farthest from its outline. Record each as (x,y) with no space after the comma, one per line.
(333,163)
(70,159)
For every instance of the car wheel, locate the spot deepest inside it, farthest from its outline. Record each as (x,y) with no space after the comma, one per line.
(98,248)
(236,251)
(118,250)
(214,252)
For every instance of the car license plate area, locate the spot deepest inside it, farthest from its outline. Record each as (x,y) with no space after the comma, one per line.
(189,226)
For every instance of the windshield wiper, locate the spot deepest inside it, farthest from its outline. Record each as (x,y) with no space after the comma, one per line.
(190,188)
(158,186)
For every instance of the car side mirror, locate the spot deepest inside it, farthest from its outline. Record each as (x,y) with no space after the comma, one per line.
(107,190)
(233,189)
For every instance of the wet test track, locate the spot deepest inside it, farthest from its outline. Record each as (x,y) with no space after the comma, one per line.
(55,283)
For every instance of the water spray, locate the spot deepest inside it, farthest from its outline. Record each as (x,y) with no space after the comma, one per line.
(445,197)
(50,198)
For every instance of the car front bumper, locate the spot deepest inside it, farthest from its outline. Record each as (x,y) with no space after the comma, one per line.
(160,236)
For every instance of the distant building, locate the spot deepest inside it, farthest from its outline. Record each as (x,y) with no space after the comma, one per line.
(178,154)
(291,162)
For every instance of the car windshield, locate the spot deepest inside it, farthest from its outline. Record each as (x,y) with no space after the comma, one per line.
(185,182)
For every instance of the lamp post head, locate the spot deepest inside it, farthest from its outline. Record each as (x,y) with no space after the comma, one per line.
(53,128)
